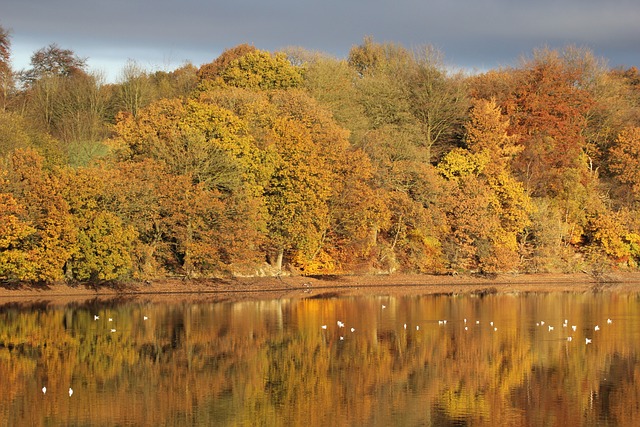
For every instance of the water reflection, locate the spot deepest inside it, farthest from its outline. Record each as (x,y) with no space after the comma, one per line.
(497,360)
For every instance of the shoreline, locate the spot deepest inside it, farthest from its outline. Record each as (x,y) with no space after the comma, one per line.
(287,287)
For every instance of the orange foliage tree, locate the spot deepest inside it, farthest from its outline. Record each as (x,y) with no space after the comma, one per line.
(487,208)
(547,111)
(40,206)
(213,173)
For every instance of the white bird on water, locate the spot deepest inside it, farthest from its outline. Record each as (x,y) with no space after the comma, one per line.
(609,321)
(324,326)
(340,324)
(96,317)
(550,328)
(44,390)
(587,341)
(574,327)
(597,328)
(70,391)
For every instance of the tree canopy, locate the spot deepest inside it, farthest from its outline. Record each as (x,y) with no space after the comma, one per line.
(273,163)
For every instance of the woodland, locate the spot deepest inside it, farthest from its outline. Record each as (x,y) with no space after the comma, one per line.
(296,162)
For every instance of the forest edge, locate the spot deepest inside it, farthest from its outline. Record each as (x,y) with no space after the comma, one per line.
(289,287)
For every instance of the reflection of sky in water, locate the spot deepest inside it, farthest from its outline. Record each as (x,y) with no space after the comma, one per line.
(431,360)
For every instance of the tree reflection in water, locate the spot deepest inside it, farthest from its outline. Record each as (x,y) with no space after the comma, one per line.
(272,363)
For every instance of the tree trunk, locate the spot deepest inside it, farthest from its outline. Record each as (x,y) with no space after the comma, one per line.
(279,259)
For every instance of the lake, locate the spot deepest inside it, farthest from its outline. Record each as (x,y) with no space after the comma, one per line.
(432,360)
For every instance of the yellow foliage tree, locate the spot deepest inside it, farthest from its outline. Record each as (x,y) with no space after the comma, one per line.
(39,192)
(261,70)
(487,207)
(625,159)
(14,233)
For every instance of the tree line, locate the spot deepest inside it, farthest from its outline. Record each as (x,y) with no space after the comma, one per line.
(262,162)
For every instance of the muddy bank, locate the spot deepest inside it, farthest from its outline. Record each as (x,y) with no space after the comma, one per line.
(237,289)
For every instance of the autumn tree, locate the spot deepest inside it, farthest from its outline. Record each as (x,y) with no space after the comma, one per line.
(104,243)
(44,210)
(331,82)
(297,194)
(548,111)
(411,90)
(213,70)
(382,85)
(15,231)
(625,161)
(611,240)
(487,208)
(438,101)
(611,103)
(178,83)
(68,103)
(51,61)
(262,70)
(6,74)
(80,117)
(134,89)
(16,133)
(317,186)
(215,173)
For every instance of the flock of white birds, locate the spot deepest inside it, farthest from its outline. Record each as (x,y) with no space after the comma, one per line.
(443,322)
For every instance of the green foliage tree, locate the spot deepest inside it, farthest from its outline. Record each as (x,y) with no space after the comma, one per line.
(331,82)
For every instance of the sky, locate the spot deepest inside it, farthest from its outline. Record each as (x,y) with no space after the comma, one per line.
(472,35)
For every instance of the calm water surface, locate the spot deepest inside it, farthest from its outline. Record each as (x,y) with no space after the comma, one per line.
(289,362)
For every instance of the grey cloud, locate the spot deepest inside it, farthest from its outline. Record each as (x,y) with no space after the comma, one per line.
(470,33)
